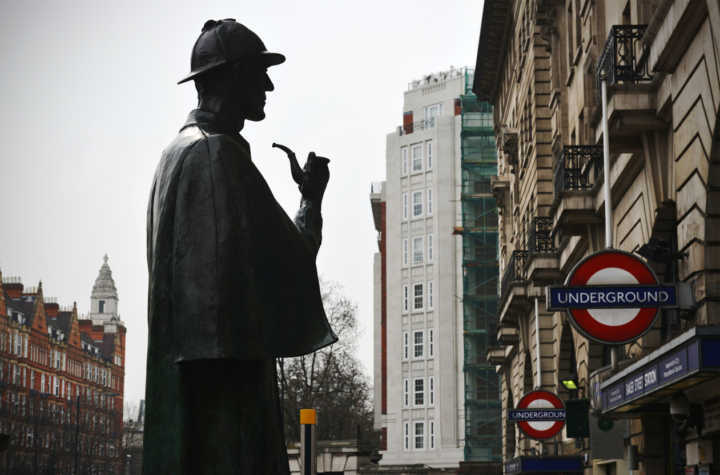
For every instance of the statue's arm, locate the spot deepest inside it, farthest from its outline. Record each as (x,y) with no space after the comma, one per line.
(309,220)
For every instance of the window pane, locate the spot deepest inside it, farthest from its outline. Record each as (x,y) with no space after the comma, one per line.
(418,250)
(417,158)
(417,203)
(418,300)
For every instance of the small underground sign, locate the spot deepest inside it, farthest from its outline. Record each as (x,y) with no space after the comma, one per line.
(539,414)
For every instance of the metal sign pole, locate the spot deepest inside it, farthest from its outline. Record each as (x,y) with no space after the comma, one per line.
(606,192)
(308,419)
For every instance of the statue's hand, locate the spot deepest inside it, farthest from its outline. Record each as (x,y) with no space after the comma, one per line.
(316,177)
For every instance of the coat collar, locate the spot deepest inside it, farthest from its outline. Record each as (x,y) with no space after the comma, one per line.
(209,122)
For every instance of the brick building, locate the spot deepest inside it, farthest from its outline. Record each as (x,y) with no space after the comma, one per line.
(61,380)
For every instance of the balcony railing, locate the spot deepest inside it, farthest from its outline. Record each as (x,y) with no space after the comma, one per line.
(579,168)
(409,128)
(514,272)
(624,58)
(540,237)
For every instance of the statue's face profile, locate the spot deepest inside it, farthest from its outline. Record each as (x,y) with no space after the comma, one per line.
(249,89)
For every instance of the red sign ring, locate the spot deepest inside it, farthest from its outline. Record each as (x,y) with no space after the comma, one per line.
(552,402)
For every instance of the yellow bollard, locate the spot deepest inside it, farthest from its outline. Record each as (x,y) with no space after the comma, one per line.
(308,420)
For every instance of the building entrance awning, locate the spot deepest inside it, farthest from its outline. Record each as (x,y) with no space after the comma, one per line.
(556,465)
(687,360)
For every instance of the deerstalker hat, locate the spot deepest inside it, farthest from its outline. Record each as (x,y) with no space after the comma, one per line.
(224,42)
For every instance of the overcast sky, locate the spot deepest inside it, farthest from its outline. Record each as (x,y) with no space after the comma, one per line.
(88,101)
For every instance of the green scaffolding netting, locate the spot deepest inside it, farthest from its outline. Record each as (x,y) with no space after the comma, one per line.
(480,278)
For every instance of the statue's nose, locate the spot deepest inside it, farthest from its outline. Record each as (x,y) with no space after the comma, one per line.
(269,86)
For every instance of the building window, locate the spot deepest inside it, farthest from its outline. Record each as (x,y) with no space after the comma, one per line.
(430,295)
(429,151)
(417,204)
(418,250)
(418,344)
(406,392)
(101,306)
(417,158)
(406,298)
(405,252)
(405,205)
(406,345)
(404,154)
(431,342)
(432,434)
(406,431)
(429,202)
(430,247)
(432,111)
(419,435)
(419,397)
(431,390)
(417,297)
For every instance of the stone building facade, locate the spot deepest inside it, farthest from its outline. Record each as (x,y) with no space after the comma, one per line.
(539,63)
(61,381)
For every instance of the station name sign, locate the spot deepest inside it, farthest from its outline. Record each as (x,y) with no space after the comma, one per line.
(536,415)
(611,296)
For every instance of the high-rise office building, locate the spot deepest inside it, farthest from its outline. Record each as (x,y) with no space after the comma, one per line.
(427,392)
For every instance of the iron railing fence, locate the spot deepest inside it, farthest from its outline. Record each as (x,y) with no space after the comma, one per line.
(624,58)
(514,272)
(578,169)
(540,236)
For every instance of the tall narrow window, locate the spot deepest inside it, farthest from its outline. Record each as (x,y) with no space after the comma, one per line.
(406,432)
(417,157)
(418,250)
(417,297)
(406,345)
(406,298)
(429,151)
(430,295)
(404,154)
(431,390)
(430,247)
(432,434)
(405,205)
(418,344)
(419,392)
(431,112)
(405,252)
(429,202)
(417,203)
(101,306)
(406,392)
(419,435)
(431,342)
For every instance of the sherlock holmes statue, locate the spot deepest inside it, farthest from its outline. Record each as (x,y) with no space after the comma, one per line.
(233,283)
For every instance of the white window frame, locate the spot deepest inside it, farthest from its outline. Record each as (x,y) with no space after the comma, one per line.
(430,303)
(432,434)
(415,307)
(430,247)
(429,153)
(406,299)
(432,111)
(418,349)
(416,158)
(431,342)
(431,391)
(404,161)
(406,392)
(417,204)
(406,426)
(418,251)
(405,252)
(406,205)
(406,346)
(416,435)
(429,202)
(417,393)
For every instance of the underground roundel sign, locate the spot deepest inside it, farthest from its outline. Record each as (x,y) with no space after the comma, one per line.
(539,414)
(611,297)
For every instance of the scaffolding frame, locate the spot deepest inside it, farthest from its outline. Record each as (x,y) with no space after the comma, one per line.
(480,278)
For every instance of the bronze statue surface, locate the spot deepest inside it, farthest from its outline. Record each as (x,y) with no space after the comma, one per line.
(232,283)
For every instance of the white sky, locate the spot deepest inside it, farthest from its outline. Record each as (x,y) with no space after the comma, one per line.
(88,101)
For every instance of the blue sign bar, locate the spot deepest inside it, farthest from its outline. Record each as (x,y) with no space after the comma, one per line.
(548,464)
(612,296)
(548,414)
